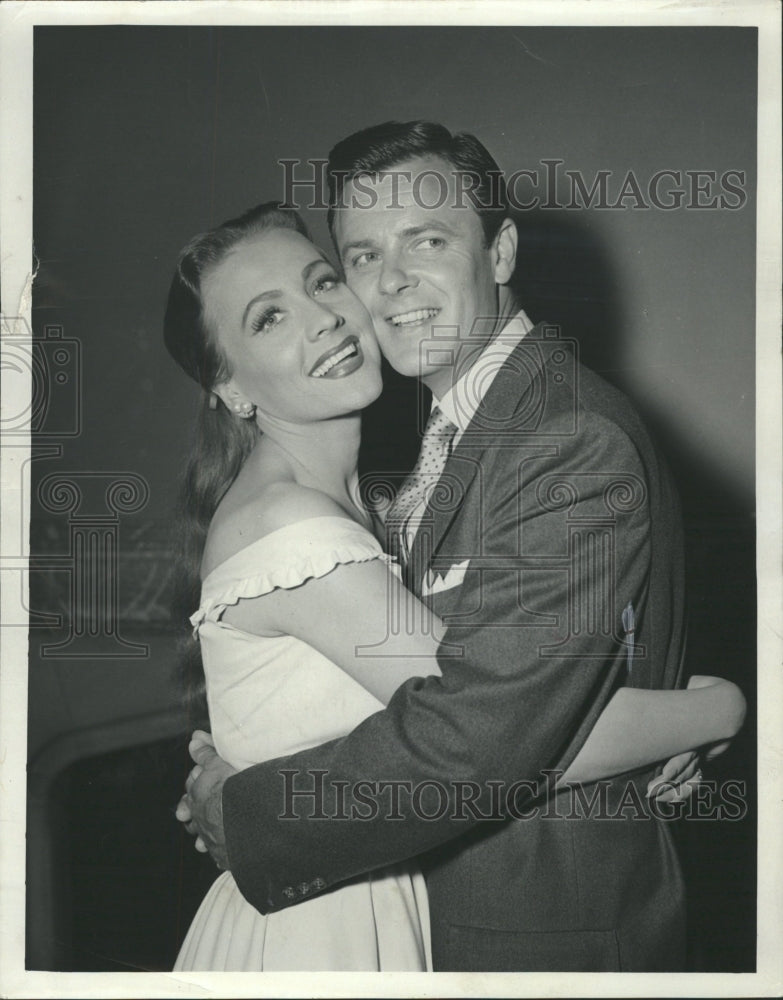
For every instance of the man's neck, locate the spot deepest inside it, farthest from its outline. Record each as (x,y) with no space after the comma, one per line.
(466,352)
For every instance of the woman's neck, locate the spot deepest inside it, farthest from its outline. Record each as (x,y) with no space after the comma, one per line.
(322,456)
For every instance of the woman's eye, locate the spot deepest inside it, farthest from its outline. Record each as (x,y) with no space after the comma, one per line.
(267,320)
(326,283)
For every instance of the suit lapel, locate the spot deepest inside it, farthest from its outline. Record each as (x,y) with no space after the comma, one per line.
(507,410)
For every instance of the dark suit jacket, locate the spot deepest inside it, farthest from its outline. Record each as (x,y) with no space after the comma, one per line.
(556,498)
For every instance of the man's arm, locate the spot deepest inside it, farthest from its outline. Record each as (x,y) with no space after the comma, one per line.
(521,698)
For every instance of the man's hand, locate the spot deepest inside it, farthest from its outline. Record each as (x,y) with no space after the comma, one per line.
(201,807)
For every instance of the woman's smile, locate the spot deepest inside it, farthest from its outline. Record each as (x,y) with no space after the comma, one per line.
(339,361)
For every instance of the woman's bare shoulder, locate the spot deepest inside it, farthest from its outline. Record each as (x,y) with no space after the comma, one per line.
(276,506)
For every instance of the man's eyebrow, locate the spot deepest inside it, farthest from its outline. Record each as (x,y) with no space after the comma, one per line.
(356,245)
(427,227)
(407,233)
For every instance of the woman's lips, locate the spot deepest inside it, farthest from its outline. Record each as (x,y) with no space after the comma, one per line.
(340,361)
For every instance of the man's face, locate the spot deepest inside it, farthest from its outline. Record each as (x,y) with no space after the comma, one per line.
(422,272)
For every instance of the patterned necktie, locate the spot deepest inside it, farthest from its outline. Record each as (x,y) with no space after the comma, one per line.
(407,508)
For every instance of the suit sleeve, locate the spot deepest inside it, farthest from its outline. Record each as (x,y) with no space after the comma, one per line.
(532,654)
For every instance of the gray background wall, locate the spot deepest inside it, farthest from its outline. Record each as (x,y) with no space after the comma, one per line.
(147,135)
(144,136)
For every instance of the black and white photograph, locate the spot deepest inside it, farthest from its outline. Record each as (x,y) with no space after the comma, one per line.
(391,442)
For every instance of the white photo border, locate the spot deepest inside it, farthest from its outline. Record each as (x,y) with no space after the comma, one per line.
(17,20)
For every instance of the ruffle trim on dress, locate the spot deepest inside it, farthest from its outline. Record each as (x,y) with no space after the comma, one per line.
(285,577)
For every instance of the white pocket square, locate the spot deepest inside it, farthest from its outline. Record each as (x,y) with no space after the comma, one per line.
(435,583)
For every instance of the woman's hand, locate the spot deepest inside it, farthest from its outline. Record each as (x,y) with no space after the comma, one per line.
(682,773)
(676,782)
(639,727)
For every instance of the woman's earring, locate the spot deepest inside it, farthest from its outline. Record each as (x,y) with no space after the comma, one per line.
(244,410)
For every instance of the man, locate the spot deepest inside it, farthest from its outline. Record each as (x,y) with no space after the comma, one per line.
(555,562)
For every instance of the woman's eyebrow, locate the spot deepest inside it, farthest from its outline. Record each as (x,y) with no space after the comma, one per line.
(271,294)
(308,269)
(274,293)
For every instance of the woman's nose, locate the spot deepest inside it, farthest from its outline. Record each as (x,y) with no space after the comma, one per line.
(325,321)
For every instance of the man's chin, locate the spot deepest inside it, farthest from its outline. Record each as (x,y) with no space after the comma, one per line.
(405,366)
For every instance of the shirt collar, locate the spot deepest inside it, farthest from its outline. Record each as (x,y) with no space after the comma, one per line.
(464,397)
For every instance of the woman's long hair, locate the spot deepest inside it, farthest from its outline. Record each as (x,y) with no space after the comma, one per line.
(223,441)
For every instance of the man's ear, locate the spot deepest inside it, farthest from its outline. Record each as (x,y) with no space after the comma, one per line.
(504,252)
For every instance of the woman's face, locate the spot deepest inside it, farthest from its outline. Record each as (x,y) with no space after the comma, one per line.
(299,343)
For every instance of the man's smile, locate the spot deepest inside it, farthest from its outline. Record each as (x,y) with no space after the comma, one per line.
(413,317)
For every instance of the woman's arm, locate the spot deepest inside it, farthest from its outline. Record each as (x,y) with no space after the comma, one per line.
(363,619)
(359,616)
(641,727)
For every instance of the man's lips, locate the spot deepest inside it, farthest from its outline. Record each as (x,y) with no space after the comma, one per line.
(413,317)
(339,361)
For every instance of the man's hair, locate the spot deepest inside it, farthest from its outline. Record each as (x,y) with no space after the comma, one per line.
(381,147)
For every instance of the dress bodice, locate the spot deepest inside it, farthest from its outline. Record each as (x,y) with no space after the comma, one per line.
(273,695)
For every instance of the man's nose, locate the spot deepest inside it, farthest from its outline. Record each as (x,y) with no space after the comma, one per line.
(395,278)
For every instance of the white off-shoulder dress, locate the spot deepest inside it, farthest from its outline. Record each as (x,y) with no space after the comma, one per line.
(274,696)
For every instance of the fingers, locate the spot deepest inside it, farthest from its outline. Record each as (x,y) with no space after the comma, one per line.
(202,753)
(200,738)
(673,791)
(185,817)
(674,782)
(192,777)
(182,812)
(682,791)
(679,776)
(717,749)
(676,765)
(687,772)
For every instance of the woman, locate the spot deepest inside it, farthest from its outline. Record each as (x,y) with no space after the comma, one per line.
(293,583)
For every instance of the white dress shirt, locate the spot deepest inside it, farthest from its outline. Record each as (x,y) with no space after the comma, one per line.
(462,400)
(464,397)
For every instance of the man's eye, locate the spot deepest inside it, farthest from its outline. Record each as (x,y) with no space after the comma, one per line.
(363,259)
(432,243)
(267,320)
